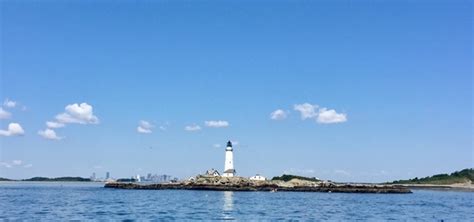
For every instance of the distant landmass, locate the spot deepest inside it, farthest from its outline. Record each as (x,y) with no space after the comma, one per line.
(129,180)
(59,179)
(465,176)
(46,179)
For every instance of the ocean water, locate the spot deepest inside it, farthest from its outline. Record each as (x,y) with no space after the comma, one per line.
(90,201)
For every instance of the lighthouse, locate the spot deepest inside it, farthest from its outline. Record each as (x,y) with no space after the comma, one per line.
(229,170)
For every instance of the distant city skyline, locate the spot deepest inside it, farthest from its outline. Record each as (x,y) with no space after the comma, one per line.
(368,91)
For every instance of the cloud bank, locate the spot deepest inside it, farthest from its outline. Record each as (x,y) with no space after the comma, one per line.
(193,127)
(74,113)
(14,129)
(320,115)
(326,116)
(278,115)
(78,113)
(306,110)
(54,125)
(216,123)
(144,127)
(15,163)
(9,103)
(4,114)
(49,134)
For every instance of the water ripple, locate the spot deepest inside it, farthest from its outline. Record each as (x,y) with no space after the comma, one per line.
(88,201)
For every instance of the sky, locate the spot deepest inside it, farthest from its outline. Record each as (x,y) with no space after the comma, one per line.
(367,91)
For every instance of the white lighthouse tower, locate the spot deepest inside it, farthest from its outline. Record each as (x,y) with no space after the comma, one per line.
(229,170)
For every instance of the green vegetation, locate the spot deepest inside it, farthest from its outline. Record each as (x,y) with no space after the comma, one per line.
(287,177)
(462,176)
(4,179)
(59,179)
(127,180)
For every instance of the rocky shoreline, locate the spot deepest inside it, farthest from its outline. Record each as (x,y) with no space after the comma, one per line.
(242,184)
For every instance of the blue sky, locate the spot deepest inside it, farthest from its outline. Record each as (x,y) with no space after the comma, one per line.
(367,90)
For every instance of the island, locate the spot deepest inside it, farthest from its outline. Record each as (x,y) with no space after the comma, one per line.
(229,181)
(59,179)
(290,183)
(459,180)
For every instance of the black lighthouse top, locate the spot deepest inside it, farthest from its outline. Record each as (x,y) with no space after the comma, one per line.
(229,144)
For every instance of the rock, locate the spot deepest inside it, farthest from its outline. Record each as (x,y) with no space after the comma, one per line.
(244,184)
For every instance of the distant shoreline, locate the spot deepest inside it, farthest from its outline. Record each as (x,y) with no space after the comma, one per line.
(32,181)
(47,179)
(450,187)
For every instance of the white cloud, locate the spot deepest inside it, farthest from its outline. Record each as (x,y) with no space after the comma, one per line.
(143,130)
(217,145)
(321,115)
(326,116)
(17,162)
(4,164)
(78,113)
(145,127)
(146,124)
(193,127)
(14,129)
(306,110)
(74,113)
(216,123)
(278,115)
(9,103)
(54,125)
(4,114)
(49,134)
(300,171)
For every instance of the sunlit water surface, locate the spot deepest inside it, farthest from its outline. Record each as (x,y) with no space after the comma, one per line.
(90,201)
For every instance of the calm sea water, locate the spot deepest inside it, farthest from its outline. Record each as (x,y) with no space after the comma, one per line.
(89,201)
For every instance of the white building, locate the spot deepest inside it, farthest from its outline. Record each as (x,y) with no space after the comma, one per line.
(212,172)
(258,177)
(229,170)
